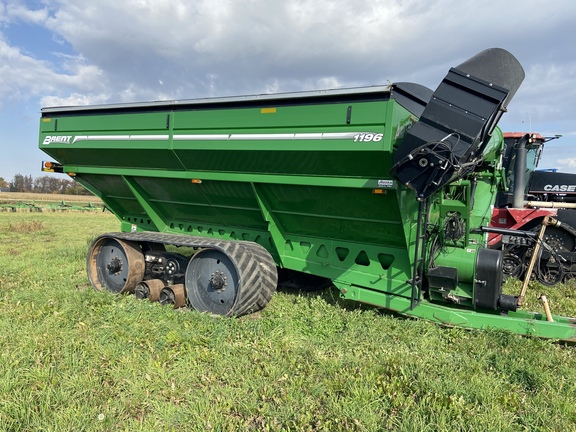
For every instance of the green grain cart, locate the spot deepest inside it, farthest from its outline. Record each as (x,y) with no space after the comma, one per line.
(381,191)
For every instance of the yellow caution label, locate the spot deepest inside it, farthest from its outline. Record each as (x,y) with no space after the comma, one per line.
(46,120)
(268,111)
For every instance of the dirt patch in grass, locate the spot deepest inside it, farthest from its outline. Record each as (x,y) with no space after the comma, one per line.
(25,227)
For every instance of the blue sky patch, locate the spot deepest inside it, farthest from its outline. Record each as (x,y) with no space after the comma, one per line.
(37,42)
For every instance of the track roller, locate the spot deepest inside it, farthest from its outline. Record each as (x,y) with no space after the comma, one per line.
(173,295)
(150,289)
(115,265)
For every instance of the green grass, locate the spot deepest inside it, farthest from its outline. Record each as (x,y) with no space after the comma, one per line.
(75,359)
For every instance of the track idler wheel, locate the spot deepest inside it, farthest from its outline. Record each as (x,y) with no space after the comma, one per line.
(231,282)
(115,265)
(212,282)
(150,289)
(173,295)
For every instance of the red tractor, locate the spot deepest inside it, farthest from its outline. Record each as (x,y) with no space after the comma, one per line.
(518,214)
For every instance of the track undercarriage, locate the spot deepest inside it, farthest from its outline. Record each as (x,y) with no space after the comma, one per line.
(228,278)
(556,260)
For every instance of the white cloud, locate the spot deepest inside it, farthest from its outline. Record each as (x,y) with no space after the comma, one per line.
(567,162)
(16,10)
(566,165)
(122,51)
(74,99)
(24,77)
(548,92)
(247,45)
(175,48)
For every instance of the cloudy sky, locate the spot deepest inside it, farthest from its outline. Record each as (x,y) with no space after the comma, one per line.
(63,52)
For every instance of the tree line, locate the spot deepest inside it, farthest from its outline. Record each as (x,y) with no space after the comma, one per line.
(44,184)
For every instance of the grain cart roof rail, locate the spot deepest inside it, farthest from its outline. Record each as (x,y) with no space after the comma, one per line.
(413,97)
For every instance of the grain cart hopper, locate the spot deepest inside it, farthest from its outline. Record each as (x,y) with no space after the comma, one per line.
(380,190)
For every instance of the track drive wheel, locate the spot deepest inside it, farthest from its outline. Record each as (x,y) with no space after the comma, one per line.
(115,265)
(230,282)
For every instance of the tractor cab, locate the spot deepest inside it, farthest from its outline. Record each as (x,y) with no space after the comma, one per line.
(522,153)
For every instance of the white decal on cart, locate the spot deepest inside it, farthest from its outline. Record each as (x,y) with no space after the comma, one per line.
(60,139)
(367,137)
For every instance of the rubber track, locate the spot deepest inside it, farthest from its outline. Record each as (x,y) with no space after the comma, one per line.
(257,273)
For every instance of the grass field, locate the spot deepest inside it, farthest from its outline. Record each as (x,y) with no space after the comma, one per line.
(76,359)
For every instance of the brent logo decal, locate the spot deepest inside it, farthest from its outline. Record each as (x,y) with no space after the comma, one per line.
(61,139)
